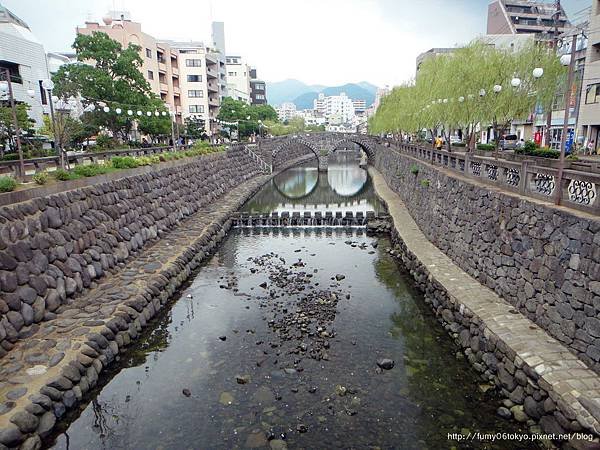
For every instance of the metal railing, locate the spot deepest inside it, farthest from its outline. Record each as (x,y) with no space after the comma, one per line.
(51,163)
(526,177)
(265,167)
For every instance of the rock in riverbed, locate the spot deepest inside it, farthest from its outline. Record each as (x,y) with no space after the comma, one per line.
(386,363)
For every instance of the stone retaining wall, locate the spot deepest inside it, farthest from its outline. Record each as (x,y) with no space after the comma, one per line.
(53,248)
(543,260)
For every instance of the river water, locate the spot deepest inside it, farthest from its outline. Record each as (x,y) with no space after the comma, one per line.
(275,344)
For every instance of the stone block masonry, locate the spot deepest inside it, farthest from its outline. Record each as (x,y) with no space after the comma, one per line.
(542,381)
(544,260)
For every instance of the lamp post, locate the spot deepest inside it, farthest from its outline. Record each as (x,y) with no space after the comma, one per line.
(48,84)
(570,60)
(8,87)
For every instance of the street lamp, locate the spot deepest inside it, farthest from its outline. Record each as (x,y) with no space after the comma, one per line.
(7,87)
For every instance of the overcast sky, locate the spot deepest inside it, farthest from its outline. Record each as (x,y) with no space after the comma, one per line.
(316,41)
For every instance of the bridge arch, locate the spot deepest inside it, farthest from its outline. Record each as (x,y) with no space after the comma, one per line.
(365,146)
(288,144)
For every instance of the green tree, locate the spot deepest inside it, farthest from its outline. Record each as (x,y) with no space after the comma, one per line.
(113,76)
(247,116)
(156,126)
(7,129)
(68,131)
(194,127)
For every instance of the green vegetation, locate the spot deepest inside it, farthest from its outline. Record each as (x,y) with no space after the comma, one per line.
(539,152)
(456,91)
(7,133)
(414,169)
(41,177)
(486,147)
(115,77)
(124,162)
(7,184)
(91,170)
(425,183)
(246,115)
(63,175)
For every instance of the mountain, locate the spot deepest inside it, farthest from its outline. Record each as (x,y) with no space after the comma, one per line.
(285,91)
(353,90)
(303,94)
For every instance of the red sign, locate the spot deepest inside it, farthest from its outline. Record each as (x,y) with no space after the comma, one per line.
(537,137)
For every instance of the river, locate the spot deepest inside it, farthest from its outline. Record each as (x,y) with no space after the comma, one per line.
(275,343)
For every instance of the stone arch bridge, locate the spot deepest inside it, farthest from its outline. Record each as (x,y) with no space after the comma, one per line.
(279,150)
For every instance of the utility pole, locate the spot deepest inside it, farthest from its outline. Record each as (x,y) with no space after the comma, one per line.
(565,130)
(555,50)
(15,124)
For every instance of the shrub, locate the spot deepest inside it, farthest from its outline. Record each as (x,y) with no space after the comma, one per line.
(11,157)
(539,152)
(124,162)
(414,169)
(104,142)
(7,184)
(90,170)
(486,147)
(459,144)
(425,183)
(530,146)
(63,175)
(40,177)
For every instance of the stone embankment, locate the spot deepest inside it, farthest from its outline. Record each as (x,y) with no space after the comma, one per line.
(543,382)
(83,271)
(543,260)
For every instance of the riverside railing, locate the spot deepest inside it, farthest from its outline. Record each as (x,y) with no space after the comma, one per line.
(51,163)
(527,177)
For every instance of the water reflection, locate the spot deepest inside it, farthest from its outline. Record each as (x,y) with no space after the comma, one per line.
(344,187)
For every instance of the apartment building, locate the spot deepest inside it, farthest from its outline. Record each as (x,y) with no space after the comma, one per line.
(589,110)
(199,93)
(526,17)
(218,55)
(258,89)
(24,57)
(238,78)
(337,109)
(160,65)
(360,106)
(286,111)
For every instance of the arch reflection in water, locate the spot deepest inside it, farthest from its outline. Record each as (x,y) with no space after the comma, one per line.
(345,187)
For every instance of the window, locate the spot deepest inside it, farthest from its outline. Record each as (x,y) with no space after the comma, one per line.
(150,75)
(195,93)
(194,78)
(231,74)
(259,97)
(592,94)
(196,109)
(43,93)
(595,53)
(193,62)
(148,53)
(13,70)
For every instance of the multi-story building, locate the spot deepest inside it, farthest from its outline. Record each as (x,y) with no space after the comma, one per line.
(199,93)
(238,78)
(360,106)
(526,17)
(337,109)
(311,117)
(25,59)
(286,111)
(160,64)
(219,56)
(589,111)
(258,89)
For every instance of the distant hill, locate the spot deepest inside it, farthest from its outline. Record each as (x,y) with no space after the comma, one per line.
(352,90)
(303,95)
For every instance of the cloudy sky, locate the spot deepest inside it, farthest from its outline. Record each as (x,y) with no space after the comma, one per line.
(316,41)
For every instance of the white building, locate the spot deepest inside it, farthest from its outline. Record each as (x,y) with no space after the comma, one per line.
(218,37)
(286,111)
(360,106)
(311,117)
(337,109)
(238,78)
(198,80)
(24,57)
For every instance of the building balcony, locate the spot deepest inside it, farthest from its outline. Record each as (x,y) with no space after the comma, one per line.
(162,67)
(175,71)
(176,90)
(164,87)
(178,109)
(213,101)
(212,87)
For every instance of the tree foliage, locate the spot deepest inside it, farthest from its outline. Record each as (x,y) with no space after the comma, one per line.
(247,115)
(112,74)
(457,90)
(7,129)
(195,127)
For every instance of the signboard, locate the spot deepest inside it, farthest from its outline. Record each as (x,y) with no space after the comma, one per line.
(537,137)
(569,142)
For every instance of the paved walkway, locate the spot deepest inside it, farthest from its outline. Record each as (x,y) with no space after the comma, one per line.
(43,356)
(560,371)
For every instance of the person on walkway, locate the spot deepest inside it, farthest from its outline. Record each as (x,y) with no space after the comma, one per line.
(438,143)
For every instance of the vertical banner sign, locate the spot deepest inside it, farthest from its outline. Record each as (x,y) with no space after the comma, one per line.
(537,137)
(569,142)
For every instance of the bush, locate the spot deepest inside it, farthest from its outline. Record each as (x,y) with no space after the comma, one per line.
(90,170)
(11,157)
(63,175)
(425,183)
(486,147)
(104,142)
(7,184)
(530,146)
(124,162)
(414,169)
(40,177)
(539,152)
(459,144)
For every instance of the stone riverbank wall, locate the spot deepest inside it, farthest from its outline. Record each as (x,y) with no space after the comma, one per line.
(543,261)
(83,271)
